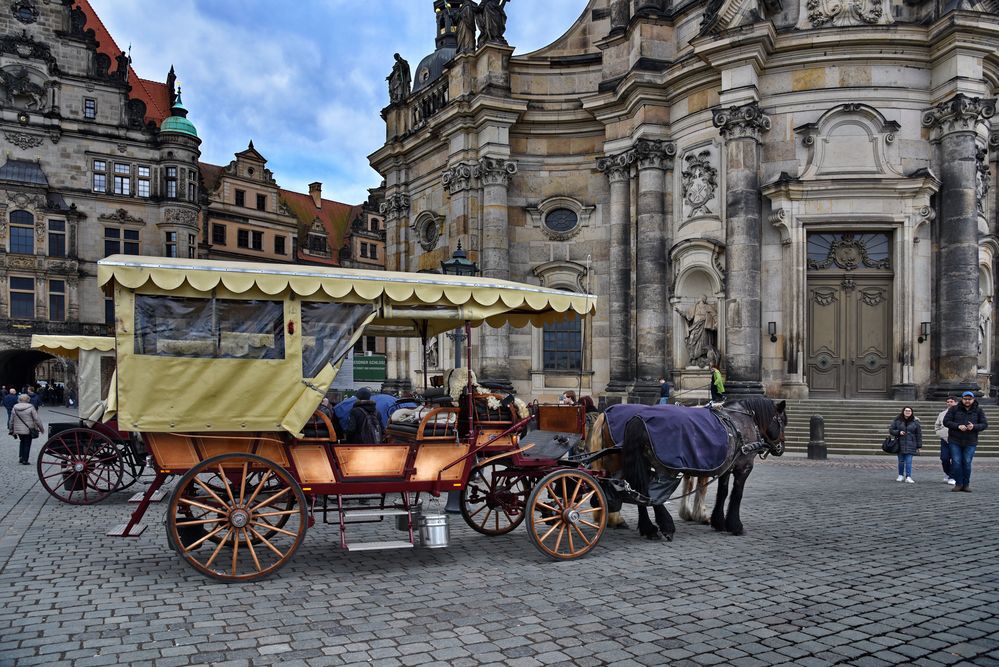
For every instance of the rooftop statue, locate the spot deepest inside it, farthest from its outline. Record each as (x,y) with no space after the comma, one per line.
(491,19)
(400,80)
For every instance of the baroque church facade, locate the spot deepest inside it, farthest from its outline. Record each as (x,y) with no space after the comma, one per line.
(802,191)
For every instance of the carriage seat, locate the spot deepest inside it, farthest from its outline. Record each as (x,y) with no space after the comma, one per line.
(319,427)
(425,423)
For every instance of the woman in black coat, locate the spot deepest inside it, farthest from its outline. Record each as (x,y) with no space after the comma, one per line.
(910,438)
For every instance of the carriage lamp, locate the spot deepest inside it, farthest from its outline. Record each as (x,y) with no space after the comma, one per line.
(772,330)
(924,331)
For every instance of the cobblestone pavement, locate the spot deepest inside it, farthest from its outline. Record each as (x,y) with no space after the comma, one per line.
(840,565)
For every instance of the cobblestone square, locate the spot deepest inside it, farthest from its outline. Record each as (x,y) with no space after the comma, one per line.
(840,565)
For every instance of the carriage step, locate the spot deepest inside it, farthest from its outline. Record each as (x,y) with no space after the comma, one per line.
(155,498)
(119,530)
(373,514)
(375,546)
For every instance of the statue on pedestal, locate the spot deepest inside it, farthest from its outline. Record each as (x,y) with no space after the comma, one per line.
(702,332)
(491,19)
(464,12)
(399,81)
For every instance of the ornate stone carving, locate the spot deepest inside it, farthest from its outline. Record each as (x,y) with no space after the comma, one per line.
(121,216)
(21,262)
(395,206)
(926,213)
(135,112)
(23,140)
(824,298)
(24,11)
(495,172)
(741,122)
(960,113)
(982,179)
(700,182)
(180,216)
(428,230)
(55,134)
(25,200)
(841,13)
(25,46)
(654,153)
(21,92)
(849,253)
(617,167)
(457,178)
(872,297)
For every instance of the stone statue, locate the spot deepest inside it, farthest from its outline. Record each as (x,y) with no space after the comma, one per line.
(702,330)
(466,24)
(400,80)
(433,357)
(491,19)
(984,317)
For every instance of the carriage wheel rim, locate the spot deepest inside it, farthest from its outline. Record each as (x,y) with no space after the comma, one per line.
(79,466)
(242,539)
(567,514)
(494,506)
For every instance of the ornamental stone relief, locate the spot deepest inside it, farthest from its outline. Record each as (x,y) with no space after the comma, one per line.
(24,11)
(959,113)
(21,91)
(25,200)
(494,171)
(23,140)
(122,216)
(982,177)
(395,206)
(699,181)
(180,216)
(848,251)
(457,178)
(741,122)
(842,13)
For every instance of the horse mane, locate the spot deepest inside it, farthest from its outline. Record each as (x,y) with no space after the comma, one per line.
(763,408)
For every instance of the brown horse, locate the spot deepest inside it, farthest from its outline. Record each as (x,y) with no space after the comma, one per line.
(758,424)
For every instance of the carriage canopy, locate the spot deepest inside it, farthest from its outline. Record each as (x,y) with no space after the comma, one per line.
(234,346)
(94,357)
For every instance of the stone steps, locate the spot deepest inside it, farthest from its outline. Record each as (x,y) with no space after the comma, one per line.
(858,427)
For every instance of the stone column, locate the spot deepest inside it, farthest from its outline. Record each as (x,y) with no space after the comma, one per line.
(651,300)
(957,123)
(618,170)
(395,208)
(742,128)
(457,182)
(494,174)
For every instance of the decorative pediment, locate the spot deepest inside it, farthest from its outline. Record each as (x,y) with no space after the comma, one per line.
(849,141)
(121,216)
(844,13)
(720,15)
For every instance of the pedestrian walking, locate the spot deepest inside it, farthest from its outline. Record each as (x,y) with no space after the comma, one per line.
(9,401)
(963,422)
(34,398)
(664,390)
(25,425)
(941,432)
(717,385)
(909,432)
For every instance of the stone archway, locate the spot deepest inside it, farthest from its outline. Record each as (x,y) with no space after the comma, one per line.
(17,366)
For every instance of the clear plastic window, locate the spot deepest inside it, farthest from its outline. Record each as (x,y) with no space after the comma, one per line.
(327,329)
(209,328)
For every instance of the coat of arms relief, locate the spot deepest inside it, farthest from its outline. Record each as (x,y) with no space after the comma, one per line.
(699,185)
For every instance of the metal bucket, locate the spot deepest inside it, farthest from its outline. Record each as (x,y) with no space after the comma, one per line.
(402,521)
(434,532)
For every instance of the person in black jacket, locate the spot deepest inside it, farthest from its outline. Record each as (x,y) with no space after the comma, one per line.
(363,425)
(909,432)
(963,422)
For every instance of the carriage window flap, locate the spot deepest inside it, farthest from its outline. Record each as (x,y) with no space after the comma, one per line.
(328,331)
(209,328)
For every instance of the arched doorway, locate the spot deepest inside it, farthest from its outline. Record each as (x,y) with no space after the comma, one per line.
(18,367)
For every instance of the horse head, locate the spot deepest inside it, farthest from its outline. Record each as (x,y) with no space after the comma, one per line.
(773,433)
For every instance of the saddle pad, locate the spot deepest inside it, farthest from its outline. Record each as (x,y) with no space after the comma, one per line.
(687,439)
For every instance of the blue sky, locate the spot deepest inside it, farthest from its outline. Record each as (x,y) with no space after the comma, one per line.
(305,80)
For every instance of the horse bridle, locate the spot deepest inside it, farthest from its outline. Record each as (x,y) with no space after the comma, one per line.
(762,442)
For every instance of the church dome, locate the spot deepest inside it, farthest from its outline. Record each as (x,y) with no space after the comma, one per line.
(177,122)
(431,67)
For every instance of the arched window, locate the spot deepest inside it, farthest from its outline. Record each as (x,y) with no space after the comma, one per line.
(22,232)
(562,345)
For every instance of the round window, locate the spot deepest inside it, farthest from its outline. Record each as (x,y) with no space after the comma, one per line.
(428,232)
(561,220)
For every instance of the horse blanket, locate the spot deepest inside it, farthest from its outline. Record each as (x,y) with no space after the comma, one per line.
(691,440)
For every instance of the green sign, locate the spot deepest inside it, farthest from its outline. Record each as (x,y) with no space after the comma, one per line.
(369,368)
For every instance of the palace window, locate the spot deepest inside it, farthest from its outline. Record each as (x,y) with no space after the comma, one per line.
(171,182)
(108,311)
(240,198)
(218,234)
(57,238)
(57,300)
(142,182)
(849,251)
(22,233)
(373,251)
(258,241)
(317,244)
(261,202)
(562,345)
(279,245)
(22,298)
(89,108)
(171,244)
(100,176)
(243,238)
(192,243)
(118,240)
(364,249)
(374,224)
(122,179)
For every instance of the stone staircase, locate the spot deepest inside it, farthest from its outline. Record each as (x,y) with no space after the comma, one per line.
(859,427)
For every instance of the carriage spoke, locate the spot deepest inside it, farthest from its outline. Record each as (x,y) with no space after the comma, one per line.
(218,548)
(194,503)
(271,526)
(235,551)
(548,507)
(547,519)
(210,535)
(242,482)
(266,542)
(579,483)
(590,510)
(260,485)
(584,499)
(477,511)
(228,486)
(591,525)
(581,536)
(281,513)
(269,501)
(209,491)
(550,530)
(558,541)
(572,548)
(197,522)
(253,552)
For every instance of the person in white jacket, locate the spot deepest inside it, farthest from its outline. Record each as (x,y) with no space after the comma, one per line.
(941,432)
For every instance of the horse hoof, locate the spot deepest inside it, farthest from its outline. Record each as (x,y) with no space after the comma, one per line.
(737,531)
(717,526)
(669,537)
(623,524)
(655,537)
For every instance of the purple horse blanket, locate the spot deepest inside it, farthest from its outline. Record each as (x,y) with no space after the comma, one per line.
(684,439)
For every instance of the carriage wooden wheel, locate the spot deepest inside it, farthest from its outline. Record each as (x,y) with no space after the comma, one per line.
(242,514)
(134,463)
(494,501)
(567,514)
(80,466)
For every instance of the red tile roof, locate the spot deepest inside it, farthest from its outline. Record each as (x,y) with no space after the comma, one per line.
(156,95)
(210,174)
(334,216)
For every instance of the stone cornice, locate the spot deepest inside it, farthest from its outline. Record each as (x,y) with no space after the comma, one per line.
(741,122)
(458,178)
(495,171)
(961,113)
(735,47)
(617,167)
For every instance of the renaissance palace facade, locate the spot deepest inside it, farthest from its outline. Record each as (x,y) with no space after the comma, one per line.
(801,191)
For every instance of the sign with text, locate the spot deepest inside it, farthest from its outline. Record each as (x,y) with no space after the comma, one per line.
(369,368)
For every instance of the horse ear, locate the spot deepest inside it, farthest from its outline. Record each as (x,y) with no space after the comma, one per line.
(781,406)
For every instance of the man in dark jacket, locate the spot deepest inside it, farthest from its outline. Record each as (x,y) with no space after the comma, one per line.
(963,422)
(9,401)
(360,428)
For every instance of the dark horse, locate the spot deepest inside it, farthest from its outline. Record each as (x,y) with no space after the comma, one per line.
(757,425)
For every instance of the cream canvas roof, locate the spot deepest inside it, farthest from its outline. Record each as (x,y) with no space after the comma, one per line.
(70,346)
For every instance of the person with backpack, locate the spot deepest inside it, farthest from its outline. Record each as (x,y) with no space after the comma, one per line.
(363,423)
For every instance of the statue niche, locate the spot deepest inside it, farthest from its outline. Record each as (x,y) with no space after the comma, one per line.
(21,92)
(702,332)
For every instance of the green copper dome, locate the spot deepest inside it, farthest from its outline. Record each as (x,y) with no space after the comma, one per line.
(177,121)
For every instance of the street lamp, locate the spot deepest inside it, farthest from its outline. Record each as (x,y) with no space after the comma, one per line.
(458,265)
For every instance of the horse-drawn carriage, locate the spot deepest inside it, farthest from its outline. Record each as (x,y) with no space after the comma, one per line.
(221,368)
(85,460)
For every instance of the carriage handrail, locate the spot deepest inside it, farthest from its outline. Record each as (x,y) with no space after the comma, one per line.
(516,426)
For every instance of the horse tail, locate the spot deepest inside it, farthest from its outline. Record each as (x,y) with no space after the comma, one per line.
(634,465)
